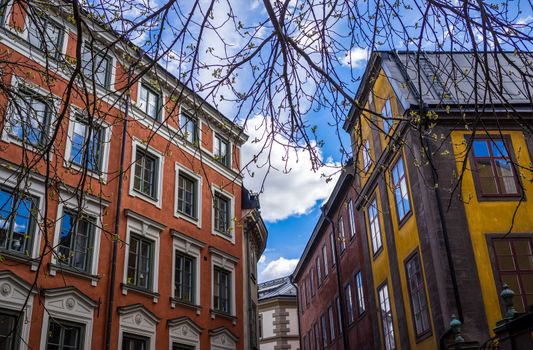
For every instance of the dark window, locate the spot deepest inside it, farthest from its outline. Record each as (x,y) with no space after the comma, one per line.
(146,174)
(140,262)
(134,342)
(332,246)
(317,336)
(63,335)
(331,323)
(188,128)
(184,278)
(342,237)
(312,282)
(339,315)
(514,261)
(386,317)
(10,325)
(401,193)
(97,65)
(325,257)
(30,114)
(260,320)
(417,292)
(76,240)
(45,34)
(351,216)
(150,101)
(318,271)
(494,169)
(222,210)
(386,114)
(349,303)
(375,230)
(222,150)
(324,330)
(16,222)
(187,195)
(221,297)
(176,346)
(87,145)
(252,322)
(306,294)
(360,292)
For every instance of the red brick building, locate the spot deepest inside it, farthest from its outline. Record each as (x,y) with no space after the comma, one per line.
(334,303)
(150,253)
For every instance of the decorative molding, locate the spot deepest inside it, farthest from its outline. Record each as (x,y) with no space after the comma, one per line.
(222,339)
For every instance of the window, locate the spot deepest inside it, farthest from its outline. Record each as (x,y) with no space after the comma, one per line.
(187,196)
(375,231)
(360,292)
(133,342)
(332,246)
(367,159)
(150,101)
(317,336)
(306,342)
(96,65)
(222,150)
(45,34)
(339,315)
(386,114)
(184,279)
(3,11)
(30,114)
(306,294)
(342,238)
(401,194)
(10,324)
(514,262)
(140,262)
(63,335)
(312,282)
(222,209)
(188,128)
(146,174)
(349,304)
(87,144)
(325,257)
(76,238)
(252,323)
(386,317)
(318,271)
(324,330)
(176,346)
(221,297)
(417,292)
(260,321)
(494,170)
(351,217)
(331,323)
(16,222)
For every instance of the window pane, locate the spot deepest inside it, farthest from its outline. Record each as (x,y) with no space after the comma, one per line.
(8,330)
(498,148)
(480,148)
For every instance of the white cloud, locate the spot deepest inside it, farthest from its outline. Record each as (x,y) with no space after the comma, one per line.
(276,268)
(290,187)
(356,57)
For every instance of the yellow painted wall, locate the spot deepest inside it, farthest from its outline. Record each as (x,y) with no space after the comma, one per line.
(488,217)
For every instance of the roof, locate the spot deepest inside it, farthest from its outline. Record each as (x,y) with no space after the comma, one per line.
(439,79)
(279,287)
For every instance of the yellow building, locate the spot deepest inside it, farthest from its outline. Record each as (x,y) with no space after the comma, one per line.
(443,172)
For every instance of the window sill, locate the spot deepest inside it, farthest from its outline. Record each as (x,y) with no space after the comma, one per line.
(406,217)
(20,258)
(77,169)
(144,197)
(423,336)
(229,238)
(174,302)
(192,220)
(55,268)
(146,292)
(215,313)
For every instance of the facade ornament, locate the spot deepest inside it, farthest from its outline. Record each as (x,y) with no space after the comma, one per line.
(455,325)
(507,295)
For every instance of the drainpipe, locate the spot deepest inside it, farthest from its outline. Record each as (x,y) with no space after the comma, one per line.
(345,341)
(111,296)
(291,278)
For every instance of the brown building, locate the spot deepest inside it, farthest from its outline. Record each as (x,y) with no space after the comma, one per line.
(157,256)
(335,311)
(278,315)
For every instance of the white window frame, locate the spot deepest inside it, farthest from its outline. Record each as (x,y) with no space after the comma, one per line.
(228,263)
(386,115)
(375,227)
(13,292)
(68,304)
(367,157)
(137,320)
(91,206)
(181,169)
(325,257)
(112,64)
(231,198)
(136,144)
(106,142)
(318,271)
(161,113)
(230,149)
(64,40)
(192,247)
(146,228)
(191,116)
(361,307)
(351,216)
(332,247)
(342,234)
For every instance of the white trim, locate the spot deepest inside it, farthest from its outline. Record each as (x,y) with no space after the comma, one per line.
(184,332)
(199,187)
(160,169)
(106,142)
(184,246)
(229,150)
(232,222)
(146,230)
(136,103)
(229,265)
(137,322)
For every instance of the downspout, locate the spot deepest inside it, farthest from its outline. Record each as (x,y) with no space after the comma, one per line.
(248,275)
(345,341)
(298,310)
(111,297)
